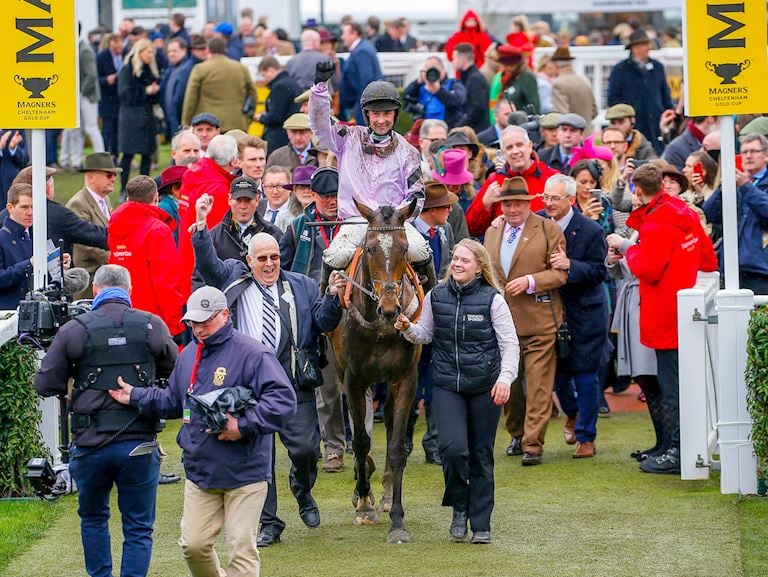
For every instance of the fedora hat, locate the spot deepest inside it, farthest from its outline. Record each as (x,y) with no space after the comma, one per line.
(454,168)
(637,37)
(301,175)
(561,53)
(100,162)
(458,138)
(437,195)
(170,176)
(672,171)
(515,188)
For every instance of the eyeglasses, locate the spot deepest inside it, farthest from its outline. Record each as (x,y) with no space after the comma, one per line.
(550,198)
(201,323)
(263,257)
(752,151)
(614,142)
(273,186)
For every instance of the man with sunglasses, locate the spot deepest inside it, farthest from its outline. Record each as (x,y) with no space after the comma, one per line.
(285,311)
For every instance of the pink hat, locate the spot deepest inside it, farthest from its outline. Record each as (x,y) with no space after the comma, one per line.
(591,150)
(452,167)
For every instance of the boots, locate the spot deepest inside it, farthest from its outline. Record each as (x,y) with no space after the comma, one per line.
(426,271)
(658,413)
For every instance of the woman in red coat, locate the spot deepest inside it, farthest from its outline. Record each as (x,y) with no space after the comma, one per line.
(471,30)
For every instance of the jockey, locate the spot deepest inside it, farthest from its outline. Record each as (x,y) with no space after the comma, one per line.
(377,167)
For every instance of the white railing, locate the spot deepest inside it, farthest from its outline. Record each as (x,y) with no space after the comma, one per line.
(713,327)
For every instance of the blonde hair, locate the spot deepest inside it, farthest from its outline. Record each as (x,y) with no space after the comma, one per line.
(135,60)
(483,260)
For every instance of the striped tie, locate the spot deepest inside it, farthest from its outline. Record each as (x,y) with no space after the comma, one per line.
(269,325)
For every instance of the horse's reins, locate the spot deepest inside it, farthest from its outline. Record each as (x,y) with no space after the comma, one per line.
(372,295)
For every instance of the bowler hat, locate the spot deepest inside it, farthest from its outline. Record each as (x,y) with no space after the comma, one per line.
(244,187)
(637,37)
(437,195)
(515,188)
(297,121)
(508,54)
(170,176)
(203,304)
(561,53)
(454,168)
(325,181)
(301,175)
(100,162)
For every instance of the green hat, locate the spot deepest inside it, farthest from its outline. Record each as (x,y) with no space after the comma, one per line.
(757,126)
(549,120)
(297,121)
(619,111)
(100,162)
(302,98)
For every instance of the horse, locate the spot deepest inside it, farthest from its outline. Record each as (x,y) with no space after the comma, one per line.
(369,350)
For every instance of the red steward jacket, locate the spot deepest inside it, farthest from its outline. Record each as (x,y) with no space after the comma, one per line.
(140,238)
(479,217)
(673,248)
(204,176)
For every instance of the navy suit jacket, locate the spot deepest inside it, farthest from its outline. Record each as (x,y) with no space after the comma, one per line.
(110,101)
(173,114)
(360,69)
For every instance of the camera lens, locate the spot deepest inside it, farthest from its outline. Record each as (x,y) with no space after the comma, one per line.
(432,75)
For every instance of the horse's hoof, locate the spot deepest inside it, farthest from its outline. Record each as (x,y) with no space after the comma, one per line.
(386,505)
(366,518)
(371,500)
(398,537)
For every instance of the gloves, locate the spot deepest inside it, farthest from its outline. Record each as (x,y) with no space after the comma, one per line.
(323,71)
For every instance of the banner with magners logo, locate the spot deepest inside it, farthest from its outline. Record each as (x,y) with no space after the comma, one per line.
(726,57)
(38,64)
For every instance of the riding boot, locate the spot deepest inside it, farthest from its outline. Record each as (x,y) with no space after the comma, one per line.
(327,270)
(426,271)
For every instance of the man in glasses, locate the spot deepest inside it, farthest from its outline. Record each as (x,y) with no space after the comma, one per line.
(285,311)
(227,470)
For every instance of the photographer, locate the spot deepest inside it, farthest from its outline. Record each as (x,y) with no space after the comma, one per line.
(227,470)
(112,444)
(434,95)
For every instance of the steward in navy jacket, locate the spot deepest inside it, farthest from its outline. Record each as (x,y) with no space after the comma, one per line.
(314,314)
(15,264)
(227,358)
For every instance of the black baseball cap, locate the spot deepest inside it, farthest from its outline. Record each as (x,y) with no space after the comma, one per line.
(244,187)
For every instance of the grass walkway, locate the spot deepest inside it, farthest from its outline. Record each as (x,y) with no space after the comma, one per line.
(591,518)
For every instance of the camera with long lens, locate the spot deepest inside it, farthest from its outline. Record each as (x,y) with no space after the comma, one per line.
(432,75)
(527,120)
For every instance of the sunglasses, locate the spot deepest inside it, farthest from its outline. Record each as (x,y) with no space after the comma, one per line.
(195,323)
(264,257)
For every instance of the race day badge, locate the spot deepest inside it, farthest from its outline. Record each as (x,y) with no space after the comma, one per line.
(218,376)
(38,65)
(726,59)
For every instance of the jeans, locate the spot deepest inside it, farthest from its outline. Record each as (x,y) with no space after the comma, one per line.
(96,470)
(668,372)
(579,392)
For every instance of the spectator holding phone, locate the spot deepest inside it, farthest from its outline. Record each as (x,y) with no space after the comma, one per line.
(590,200)
(701,171)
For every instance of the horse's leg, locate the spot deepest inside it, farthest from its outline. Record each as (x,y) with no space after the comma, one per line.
(386,477)
(402,392)
(365,514)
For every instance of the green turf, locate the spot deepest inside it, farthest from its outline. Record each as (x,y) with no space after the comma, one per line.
(590,518)
(21,523)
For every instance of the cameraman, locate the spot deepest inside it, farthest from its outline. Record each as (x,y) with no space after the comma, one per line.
(113,444)
(435,96)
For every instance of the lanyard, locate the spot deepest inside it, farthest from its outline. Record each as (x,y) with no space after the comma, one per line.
(324,235)
(193,378)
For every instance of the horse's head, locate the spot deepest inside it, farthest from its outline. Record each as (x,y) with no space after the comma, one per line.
(385,248)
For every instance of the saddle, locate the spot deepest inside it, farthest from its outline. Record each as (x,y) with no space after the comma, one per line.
(351,271)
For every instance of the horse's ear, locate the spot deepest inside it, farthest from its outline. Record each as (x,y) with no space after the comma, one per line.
(406,212)
(364,210)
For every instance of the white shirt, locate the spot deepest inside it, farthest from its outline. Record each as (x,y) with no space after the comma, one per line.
(503,326)
(566,220)
(269,210)
(101,202)
(250,316)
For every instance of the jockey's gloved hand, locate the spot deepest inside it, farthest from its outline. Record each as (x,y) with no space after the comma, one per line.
(323,71)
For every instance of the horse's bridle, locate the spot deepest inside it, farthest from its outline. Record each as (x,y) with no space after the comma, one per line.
(395,287)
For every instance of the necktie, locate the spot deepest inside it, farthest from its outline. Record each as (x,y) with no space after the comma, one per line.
(513,232)
(118,62)
(104,208)
(432,232)
(26,234)
(272,216)
(269,316)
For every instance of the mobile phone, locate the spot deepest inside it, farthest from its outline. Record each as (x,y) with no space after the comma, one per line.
(739,163)
(698,168)
(597,194)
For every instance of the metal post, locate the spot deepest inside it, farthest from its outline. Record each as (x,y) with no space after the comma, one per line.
(39,211)
(730,229)
(739,465)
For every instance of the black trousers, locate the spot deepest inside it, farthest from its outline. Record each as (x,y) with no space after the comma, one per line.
(466,431)
(669,381)
(301,438)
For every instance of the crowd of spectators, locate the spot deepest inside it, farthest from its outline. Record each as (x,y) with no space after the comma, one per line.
(578,218)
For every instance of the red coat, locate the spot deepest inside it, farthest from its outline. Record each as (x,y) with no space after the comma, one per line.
(476,36)
(479,217)
(140,238)
(204,176)
(673,248)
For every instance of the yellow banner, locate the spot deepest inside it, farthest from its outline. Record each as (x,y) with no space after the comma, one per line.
(726,58)
(38,65)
